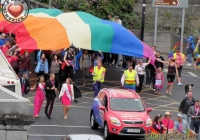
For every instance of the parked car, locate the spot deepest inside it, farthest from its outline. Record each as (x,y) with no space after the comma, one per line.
(120,112)
(82,137)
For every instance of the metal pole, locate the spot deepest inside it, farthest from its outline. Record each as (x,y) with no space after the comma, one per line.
(182,28)
(143,20)
(155,27)
(50,1)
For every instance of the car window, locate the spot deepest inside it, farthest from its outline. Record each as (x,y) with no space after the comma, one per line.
(105,102)
(123,104)
(101,96)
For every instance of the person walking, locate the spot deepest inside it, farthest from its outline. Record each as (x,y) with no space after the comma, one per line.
(150,72)
(189,54)
(171,72)
(159,60)
(179,59)
(98,77)
(185,105)
(159,80)
(85,64)
(66,96)
(194,113)
(51,87)
(130,78)
(55,67)
(140,69)
(25,85)
(39,95)
(25,64)
(42,67)
(69,64)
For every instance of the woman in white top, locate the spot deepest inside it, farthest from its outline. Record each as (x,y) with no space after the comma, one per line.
(66,96)
(140,69)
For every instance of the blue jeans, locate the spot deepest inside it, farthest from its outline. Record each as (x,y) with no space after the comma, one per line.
(189,56)
(187,118)
(21,72)
(195,126)
(97,88)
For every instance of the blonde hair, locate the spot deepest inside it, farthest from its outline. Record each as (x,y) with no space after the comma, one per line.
(160,69)
(70,80)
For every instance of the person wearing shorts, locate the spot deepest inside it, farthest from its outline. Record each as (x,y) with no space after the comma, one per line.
(179,59)
(172,71)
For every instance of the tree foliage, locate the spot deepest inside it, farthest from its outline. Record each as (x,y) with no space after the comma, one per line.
(101,9)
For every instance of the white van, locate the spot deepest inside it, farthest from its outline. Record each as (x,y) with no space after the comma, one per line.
(8,77)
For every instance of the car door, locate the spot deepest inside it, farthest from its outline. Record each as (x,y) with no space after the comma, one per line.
(97,103)
(101,112)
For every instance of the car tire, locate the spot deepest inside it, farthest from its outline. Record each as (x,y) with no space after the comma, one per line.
(93,123)
(106,132)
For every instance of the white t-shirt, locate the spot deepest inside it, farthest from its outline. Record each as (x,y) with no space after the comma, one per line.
(141,69)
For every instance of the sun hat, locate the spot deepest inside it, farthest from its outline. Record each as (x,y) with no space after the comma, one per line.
(180,115)
(167,113)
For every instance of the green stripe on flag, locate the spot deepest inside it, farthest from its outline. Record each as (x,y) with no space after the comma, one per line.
(101,34)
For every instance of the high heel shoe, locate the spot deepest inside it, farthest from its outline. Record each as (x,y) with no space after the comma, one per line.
(65,117)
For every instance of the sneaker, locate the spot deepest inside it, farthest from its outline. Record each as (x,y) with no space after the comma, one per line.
(122,69)
(116,65)
(179,84)
(147,86)
(154,89)
(189,64)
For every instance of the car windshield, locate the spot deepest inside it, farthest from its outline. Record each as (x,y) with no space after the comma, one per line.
(126,105)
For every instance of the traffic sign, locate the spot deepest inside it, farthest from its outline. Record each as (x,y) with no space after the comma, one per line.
(170,3)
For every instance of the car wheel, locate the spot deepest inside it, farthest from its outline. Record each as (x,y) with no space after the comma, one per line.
(93,123)
(106,132)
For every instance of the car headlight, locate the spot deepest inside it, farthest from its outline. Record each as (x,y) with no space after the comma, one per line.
(115,121)
(148,122)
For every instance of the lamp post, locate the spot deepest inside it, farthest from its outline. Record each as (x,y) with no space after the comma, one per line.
(143,20)
(50,1)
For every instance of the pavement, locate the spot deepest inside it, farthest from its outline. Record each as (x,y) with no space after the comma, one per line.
(78,121)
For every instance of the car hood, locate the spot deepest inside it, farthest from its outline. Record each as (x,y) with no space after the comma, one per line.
(131,115)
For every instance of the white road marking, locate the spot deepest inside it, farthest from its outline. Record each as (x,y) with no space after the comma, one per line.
(66,126)
(42,135)
(194,75)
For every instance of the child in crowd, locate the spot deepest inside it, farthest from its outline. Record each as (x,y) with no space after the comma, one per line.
(159,81)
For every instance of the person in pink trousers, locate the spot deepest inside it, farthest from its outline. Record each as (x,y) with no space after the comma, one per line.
(67,96)
(39,96)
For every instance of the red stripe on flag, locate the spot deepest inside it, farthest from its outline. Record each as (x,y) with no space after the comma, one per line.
(23,37)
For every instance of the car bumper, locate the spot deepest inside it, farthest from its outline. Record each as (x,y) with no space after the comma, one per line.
(131,135)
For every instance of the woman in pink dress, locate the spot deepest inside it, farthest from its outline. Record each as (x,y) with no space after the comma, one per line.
(66,96)
(39,96)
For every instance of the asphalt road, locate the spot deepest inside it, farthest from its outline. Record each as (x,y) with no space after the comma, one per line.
(78,121)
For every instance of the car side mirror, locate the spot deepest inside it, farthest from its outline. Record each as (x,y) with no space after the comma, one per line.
(149,110)
(102,108)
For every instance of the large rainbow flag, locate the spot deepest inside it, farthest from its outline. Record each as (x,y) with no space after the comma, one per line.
(50,29)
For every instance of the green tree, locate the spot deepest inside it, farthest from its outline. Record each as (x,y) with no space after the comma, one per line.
(101,9)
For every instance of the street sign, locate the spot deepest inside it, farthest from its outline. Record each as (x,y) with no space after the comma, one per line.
(170,3)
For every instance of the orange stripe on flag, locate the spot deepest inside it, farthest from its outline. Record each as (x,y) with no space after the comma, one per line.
(42,30)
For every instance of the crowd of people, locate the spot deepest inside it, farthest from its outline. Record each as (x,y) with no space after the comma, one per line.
(56,72)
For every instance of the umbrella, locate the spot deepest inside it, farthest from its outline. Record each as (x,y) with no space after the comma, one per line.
(41,30)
